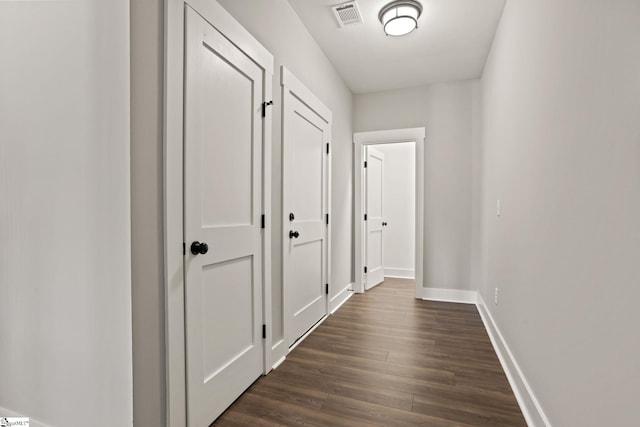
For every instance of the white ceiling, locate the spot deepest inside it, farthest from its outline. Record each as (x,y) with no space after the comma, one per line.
(451,43)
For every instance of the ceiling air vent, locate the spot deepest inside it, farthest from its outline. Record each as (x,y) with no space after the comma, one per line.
(347,13)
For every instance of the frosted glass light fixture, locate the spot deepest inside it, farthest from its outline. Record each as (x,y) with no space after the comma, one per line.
(400,17)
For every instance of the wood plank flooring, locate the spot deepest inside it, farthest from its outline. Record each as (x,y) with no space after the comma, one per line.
(386,359)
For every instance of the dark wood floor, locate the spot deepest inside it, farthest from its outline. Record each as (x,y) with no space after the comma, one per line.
(386,359)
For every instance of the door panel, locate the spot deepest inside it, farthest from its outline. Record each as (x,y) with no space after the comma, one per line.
(237,336)
(305,184)
(222,207)
(307,163)
(306,265)
(231,180)
(375,217)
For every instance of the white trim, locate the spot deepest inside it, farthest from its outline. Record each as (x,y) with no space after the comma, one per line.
(233,31)
(267,311)
(218,17)
(400,273)
(340,298)
(279,350)
(279,362)
(4,412)
(529,404)
(173,220)
(448,295)
(360,139)
(300,91)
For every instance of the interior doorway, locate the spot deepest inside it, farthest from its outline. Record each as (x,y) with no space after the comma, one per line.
(375,139)
(389,212)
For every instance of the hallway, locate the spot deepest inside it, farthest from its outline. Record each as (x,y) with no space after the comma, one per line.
(387,359)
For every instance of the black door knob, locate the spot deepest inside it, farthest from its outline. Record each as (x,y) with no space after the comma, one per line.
(293,234)
(199,248)
(384,224)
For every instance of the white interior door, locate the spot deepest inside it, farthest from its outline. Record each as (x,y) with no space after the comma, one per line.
(222,208)
(374,218)
(305,208)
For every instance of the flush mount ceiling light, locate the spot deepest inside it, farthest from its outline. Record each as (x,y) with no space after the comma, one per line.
(400,17)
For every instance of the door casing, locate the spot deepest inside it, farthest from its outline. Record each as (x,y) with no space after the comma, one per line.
(360,140)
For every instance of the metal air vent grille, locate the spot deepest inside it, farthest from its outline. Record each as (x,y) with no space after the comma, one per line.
(347,13)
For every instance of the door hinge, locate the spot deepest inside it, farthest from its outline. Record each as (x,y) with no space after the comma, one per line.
(262,221)
(365,217)
(327,218)
(365,269)
(264,107)
(264,332)
(184,248)
(365,164)
(326,289)
(327,148)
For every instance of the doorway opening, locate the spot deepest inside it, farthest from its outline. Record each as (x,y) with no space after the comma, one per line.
(389,192)
(366,143)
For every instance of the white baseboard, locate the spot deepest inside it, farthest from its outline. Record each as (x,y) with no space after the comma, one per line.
(340,298)
(531,409)
(32,423)
(279,362)
(447,295)
(400,273)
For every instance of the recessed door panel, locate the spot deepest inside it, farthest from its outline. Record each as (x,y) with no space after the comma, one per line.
(306,275)
(234,279)
(307,157)
(227,112)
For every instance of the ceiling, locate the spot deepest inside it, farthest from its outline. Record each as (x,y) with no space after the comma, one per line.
(451,43)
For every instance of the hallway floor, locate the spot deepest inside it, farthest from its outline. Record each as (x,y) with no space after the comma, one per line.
(386,359)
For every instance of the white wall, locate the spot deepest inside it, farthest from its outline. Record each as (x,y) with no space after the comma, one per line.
(399,207)
(561,137)
(275,24)
(446,110)
(147,221)
(65,285)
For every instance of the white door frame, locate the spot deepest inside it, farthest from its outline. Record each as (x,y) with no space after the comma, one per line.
(360,139)
(173,174)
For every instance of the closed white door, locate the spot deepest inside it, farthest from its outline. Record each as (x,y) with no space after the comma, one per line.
(222,211)
(305,208)
(374,218)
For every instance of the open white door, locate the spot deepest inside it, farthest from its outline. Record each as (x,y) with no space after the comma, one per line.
(374,260)
(222,209)
(306,132)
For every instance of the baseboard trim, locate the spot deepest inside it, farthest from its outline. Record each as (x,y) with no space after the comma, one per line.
(340,298)
(32,423)
(448,295)
(529,404)
(400,273)
(279,362)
